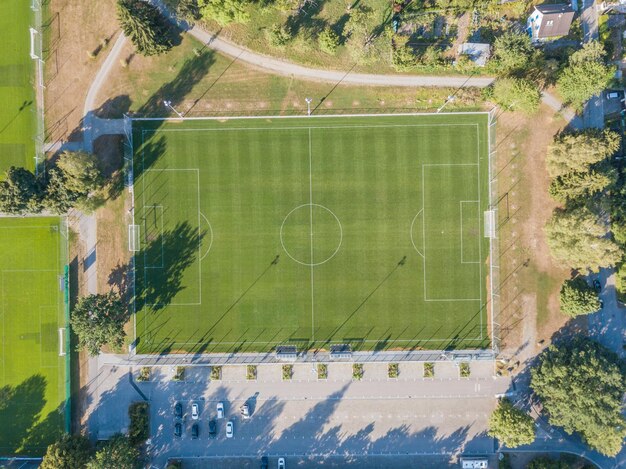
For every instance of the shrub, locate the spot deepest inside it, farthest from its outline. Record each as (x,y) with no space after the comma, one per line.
(464,370)
(429,370)
(251,372)
(403,59)
(328,41)
(357,371)
(393,370)
(139,429)
(287,372)
(216,373)
(322,371)
(180,373)
(144,374)
(278,36)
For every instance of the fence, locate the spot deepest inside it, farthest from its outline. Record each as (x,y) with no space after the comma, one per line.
(494,240)
(129,177)
(66,314)
(36,53)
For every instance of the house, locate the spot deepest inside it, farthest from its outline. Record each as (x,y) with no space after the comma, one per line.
(477,52)
(549,21)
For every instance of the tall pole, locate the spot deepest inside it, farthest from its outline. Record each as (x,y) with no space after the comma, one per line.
(449,99)
(168,104)
(308,105)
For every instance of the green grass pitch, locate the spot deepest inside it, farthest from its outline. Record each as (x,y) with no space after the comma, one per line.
(17,96)
(311,231)
(32,374)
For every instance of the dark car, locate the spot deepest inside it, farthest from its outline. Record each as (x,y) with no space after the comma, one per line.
(264,463)
(178,410)
(212,429)
(178,429)
(597,285)
(195,431)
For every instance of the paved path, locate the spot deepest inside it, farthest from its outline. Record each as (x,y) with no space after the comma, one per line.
(593,111)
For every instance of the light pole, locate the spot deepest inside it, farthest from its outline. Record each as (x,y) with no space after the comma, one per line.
(449,99)
(168,104)
(308,105)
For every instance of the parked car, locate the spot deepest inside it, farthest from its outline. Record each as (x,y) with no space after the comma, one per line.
(229,429)
(212,428)
(245,411)
(178,410)
(178,429)
(264,462)
(597,285)
(195,411)
(281,463)
(220,410)
(601,304)
(195,431)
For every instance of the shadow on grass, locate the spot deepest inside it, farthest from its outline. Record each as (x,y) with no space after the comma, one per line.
(175,250)
(20,409)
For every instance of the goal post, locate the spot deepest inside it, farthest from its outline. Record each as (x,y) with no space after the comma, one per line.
(133,238)
(62,342)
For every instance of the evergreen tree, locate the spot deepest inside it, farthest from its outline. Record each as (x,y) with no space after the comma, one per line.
(145,26)
(513,427)
(68,452)
(577,298)
(20,192)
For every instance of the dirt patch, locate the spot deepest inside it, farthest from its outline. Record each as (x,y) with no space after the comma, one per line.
(74,30)
(529,278)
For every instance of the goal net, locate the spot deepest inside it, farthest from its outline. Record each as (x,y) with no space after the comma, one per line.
(490,224)
(133,238)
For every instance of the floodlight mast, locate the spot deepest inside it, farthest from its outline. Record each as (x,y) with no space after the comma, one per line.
(449,99)
(168,104)
(308,105)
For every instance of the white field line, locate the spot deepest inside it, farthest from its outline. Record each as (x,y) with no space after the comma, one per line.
(320,116)
(311,241)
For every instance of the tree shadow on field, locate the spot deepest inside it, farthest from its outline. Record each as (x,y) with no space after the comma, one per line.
(20,407)
(162,264)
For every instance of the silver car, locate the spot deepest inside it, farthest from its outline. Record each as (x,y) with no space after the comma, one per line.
(220,410)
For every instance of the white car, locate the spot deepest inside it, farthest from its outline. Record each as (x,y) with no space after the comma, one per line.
(195,411)
(220,410)
(229,429)
(281,463)
(245,411)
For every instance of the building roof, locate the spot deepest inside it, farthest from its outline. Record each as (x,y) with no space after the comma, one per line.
(478,52)
(556,20)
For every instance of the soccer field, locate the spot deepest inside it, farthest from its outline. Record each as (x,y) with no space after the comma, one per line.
(17,95)
(33,253)
(312,231)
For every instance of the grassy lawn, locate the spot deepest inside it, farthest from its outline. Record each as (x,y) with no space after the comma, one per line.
(33,378)
(215,84)
(311,231)
(17,96)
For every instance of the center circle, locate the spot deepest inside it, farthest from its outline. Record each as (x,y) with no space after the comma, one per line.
(311,234)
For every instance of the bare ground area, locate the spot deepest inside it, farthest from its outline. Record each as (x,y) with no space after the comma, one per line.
(530,279)
(78,35)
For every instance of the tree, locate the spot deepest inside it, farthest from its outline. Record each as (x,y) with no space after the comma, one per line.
(68,452)
(577,238)
(145,26)
(580,185)
(81,172)
(513,427)
(577,151)
(513,54)
(586,74)
(544,462)
(577,298)
(278,36)
(118,452)
(98,320)
(58,199)
(517,94)
(359,30)
(580,385)
(328,41)
(403,58)
(20,192)
(224,11)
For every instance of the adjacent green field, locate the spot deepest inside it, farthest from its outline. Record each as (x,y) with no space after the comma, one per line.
(17,96)
(32,374)
(311,231)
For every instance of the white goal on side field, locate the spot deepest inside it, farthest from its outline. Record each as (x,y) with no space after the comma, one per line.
(61,341)
(490,224)
(133,238)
